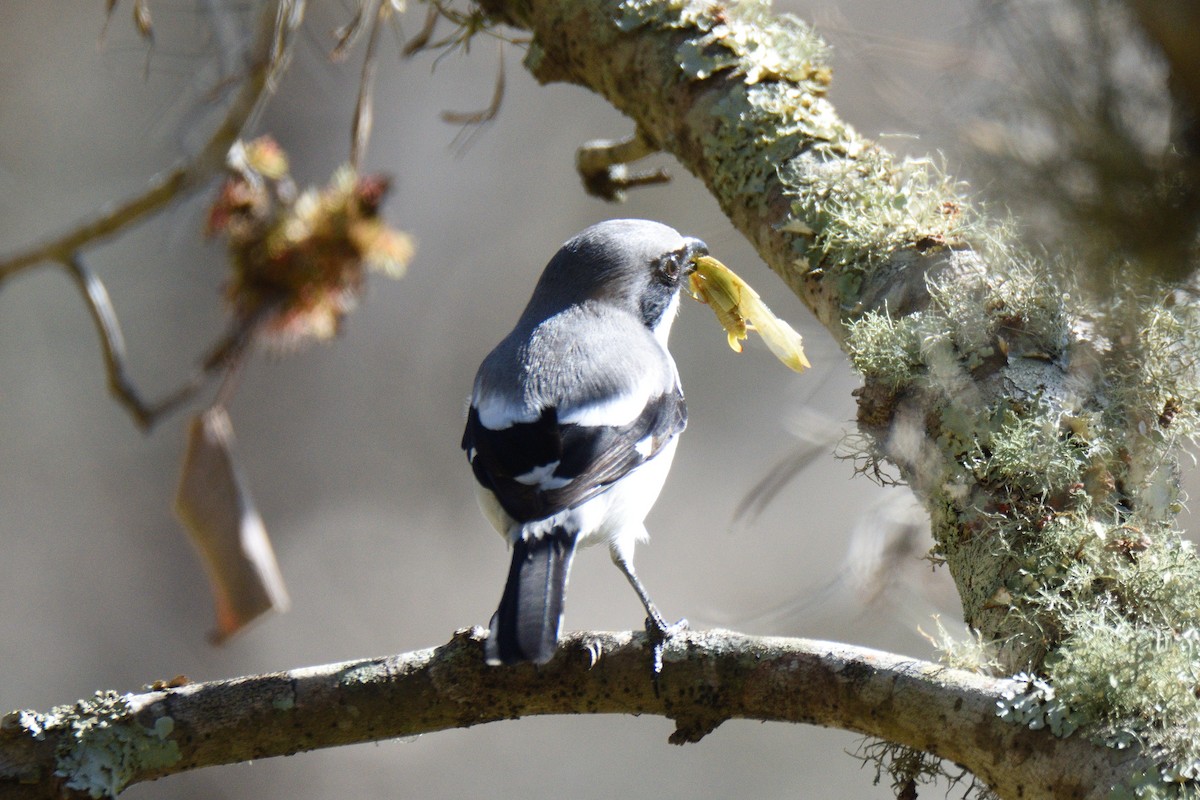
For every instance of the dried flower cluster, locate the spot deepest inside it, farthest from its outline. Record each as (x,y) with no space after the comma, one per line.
(299,260)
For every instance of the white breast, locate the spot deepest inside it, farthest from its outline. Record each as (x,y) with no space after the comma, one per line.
(614,517)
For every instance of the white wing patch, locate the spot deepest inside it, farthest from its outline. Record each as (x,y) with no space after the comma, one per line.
(645,447)
(616,411)
(543,477)
(496,412)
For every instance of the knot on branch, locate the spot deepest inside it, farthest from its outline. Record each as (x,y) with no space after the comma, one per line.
(690,729)
(603,166)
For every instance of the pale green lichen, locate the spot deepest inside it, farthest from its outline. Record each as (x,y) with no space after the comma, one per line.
(1033,703)
(862,206)
(677,14)
(1031,452)
(1073,486)
(753,132)
(746,38)
(101,746)
(885,348)
(756,44)
(1023,313)
(973,653)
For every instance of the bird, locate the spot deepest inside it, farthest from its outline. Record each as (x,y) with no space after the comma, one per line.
(573,421)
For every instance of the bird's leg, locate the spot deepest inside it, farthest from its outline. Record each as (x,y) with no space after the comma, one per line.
(657,628)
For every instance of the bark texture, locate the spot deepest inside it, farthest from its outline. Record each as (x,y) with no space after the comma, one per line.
(103,744)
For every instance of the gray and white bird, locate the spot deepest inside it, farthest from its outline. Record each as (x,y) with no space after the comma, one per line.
(574,419)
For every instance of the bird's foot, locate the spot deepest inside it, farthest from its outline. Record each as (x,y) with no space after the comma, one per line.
(658,631)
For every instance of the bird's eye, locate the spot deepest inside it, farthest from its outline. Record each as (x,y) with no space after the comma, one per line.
(670,267)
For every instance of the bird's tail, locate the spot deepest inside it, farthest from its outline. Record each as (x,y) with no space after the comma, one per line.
(525,626)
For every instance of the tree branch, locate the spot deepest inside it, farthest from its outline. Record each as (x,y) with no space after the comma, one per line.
(111,741)
(266,58)
(1038,424)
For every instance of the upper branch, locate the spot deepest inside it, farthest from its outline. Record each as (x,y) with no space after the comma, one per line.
(738,96)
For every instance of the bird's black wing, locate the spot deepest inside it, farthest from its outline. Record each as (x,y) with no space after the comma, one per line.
(537,469)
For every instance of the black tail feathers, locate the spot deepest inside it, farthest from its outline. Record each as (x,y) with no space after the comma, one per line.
(525,626)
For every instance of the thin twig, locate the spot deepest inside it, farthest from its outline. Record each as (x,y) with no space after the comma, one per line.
(266,58)
(226,354)
(360,132)
(473,121)
(112,341)
(348,34)
(421,40)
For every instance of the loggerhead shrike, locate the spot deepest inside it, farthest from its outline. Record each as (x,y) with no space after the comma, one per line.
(574,419)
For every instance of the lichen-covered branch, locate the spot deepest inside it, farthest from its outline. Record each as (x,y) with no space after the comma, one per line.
(1038,422)
(101,745)
(738,96)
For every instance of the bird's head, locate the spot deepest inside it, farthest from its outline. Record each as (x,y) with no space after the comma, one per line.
(634,264)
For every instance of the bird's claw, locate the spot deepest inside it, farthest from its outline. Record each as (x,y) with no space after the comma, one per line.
(658,631)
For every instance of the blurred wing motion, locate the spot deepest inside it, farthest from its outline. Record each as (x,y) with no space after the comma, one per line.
(214,505)
(739,309)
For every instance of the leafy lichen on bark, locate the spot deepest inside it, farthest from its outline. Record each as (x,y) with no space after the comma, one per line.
(1052,481)
(100,745)
(738,95)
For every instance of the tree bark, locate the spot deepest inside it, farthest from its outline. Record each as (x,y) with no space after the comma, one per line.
(102,745)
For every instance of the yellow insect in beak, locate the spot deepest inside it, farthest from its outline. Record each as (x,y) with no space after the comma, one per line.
(739,309)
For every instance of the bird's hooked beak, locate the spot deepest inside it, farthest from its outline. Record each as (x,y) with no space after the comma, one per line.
(692,250)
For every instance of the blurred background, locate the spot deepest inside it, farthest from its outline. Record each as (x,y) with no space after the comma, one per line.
(351,448)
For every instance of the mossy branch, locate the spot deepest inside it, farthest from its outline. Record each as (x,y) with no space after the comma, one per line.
(99,746)
(1038,424)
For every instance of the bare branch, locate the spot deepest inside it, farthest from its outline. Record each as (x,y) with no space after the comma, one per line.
(265,60)
(708,677)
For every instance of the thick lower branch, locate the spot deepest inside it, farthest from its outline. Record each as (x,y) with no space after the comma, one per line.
(708,677)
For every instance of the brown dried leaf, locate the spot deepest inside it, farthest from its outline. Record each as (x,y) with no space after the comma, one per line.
(214,504)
